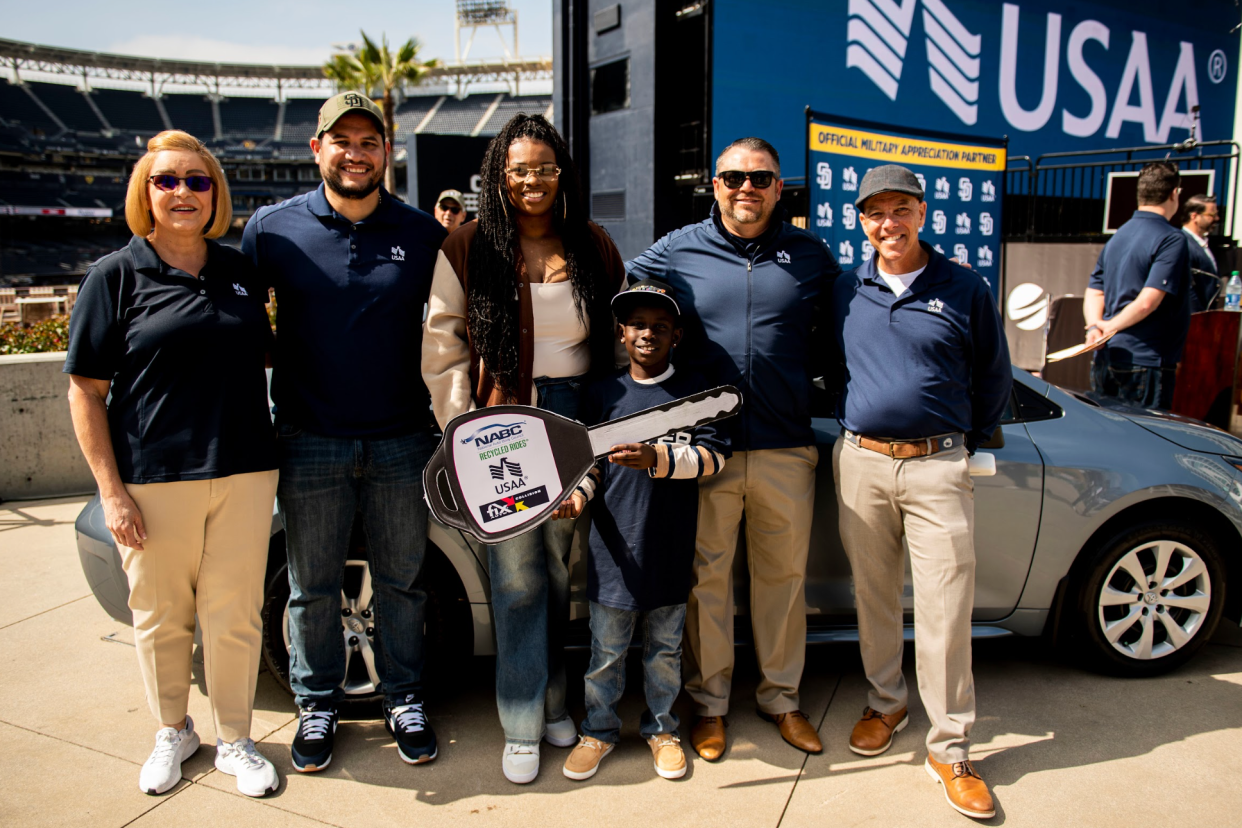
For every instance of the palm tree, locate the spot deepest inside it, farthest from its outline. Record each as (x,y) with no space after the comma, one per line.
(377,71)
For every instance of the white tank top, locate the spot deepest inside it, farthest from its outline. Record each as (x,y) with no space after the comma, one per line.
(561,348)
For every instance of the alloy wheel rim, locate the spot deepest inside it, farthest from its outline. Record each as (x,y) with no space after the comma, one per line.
(1154,600)
(357,628)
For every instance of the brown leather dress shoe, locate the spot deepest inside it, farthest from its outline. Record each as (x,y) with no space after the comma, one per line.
(708,737)
(963,787)
(796,730)
(874,732)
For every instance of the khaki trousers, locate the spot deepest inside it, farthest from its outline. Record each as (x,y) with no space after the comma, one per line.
(205,552)
(931,501)
(775,490)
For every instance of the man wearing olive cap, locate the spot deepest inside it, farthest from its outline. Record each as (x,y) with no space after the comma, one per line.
(925,378)
(352,270)
(450,211)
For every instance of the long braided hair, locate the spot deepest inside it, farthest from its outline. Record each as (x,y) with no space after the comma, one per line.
(492,301)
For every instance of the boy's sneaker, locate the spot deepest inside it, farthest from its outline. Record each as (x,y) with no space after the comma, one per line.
(255,775)
(520,762)
(670,759)
(407,722)
(312,746)
(561,733)
(584,760)
(162,770)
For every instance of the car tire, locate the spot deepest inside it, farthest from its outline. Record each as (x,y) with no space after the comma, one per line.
(1121,626)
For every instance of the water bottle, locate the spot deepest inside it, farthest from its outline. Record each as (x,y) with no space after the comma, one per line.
(1233,293)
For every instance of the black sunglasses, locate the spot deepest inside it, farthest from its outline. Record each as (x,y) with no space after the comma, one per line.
(452,208)
(168,183)
(759,179)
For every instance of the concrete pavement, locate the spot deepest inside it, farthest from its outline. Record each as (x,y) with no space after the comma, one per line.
(1058,745)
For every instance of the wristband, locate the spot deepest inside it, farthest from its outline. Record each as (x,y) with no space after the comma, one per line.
(1097,327)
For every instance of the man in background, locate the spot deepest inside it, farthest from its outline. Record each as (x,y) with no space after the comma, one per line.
(1201,216)
(450,211)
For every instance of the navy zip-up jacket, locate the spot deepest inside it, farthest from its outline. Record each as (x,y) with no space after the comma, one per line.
(749,312)
(931,361)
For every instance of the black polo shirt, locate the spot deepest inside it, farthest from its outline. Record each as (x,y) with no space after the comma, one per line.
(350,299)
(185,357)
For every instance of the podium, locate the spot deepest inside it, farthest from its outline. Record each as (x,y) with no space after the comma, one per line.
(1210,372)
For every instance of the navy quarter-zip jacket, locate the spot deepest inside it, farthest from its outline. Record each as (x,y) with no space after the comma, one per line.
(749,314)
(931,361)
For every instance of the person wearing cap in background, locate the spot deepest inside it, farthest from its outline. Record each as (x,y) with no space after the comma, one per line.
(751,287)
(925,376)
(352,268)
(449,210)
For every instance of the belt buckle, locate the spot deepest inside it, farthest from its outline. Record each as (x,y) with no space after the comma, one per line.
(892,450)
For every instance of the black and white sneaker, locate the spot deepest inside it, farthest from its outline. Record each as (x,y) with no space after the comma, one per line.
(312,746)
(407,722)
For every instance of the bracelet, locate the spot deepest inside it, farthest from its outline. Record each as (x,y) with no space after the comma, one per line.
(1097,327)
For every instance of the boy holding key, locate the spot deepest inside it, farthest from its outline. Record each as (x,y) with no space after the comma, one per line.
(643,527)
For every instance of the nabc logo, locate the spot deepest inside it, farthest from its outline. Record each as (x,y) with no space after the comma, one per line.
(489,434)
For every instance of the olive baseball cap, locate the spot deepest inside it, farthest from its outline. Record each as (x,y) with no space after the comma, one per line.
(451,195)
(889,178)
(336,106)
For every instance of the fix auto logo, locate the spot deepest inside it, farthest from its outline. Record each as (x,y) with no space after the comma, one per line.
(513,504)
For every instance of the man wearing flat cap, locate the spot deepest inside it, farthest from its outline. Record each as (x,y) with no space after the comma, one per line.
(925,378)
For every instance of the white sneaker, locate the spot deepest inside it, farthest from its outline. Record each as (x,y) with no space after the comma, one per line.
(255,775)
(561,733)
(520,762)
(162,770)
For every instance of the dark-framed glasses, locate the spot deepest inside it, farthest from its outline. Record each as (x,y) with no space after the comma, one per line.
(521,172)
(759,179)
(450,207)
(194,183)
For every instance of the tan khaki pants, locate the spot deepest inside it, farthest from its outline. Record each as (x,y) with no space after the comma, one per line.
(931,501)
(775,490)
(205,552)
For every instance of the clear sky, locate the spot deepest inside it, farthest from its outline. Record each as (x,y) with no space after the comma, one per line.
(268,31)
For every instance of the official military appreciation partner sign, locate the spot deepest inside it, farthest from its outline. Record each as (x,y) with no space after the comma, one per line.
(963,182)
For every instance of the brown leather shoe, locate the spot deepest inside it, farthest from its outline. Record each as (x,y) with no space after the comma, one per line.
(708,737)
(874,732)
(963,787)
(796,730)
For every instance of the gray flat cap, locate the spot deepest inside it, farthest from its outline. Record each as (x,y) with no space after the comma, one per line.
(890,178)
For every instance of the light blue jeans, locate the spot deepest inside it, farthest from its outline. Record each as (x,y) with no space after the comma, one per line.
(530,602)
(612,630)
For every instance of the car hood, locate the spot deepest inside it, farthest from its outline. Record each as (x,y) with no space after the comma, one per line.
(1185,432)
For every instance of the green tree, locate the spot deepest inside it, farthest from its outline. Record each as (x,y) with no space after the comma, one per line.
(376,71)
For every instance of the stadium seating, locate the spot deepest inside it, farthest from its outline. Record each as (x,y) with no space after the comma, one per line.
(301,116)
(248,118)
(16,107)
(131,111)
(510,106)
(191,113)
(69,105)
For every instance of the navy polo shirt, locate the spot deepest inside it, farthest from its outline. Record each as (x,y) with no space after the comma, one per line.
(350,299)
(931,361)
(185,357)
(1146,251)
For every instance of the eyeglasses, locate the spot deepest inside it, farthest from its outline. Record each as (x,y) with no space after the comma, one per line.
(759,179)
(449,208)
(168,183)
(544,171)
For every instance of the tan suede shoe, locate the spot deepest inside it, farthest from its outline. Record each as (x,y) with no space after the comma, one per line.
(796,730)
(670,760)
(963,787)
(874,732)
(708,737)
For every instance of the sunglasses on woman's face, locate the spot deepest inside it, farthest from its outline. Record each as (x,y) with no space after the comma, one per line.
(759,179)
(449,207)
(168,183)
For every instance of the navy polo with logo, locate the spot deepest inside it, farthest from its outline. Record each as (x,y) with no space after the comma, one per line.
(185,356)
(931,361)
(350,299)
(1146,251)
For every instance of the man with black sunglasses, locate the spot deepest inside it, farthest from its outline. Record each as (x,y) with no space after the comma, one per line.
(753,286)
(449,210)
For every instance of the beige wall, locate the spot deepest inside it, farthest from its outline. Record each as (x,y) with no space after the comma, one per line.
(39,454)
(1035,273)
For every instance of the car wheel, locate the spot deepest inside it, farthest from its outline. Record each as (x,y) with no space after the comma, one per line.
(1147,599)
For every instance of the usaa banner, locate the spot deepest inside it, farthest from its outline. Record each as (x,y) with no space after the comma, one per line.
(963,180)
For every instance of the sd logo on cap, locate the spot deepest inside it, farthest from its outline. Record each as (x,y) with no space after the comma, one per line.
(343,104)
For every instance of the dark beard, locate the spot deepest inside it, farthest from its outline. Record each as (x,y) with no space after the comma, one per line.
(332,178)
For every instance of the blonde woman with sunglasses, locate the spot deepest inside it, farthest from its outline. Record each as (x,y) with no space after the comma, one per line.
(167,347)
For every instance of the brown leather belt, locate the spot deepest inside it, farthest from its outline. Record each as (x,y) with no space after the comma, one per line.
(906,449)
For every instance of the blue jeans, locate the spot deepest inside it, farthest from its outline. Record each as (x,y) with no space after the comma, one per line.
(1143,386)
(530,602)
(611,633)
(324,482)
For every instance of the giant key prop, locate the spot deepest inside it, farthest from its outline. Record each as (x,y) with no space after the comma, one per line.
(501,471)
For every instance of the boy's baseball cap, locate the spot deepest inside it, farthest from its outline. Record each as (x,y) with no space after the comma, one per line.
(889,178)
(646,292)
(336,106)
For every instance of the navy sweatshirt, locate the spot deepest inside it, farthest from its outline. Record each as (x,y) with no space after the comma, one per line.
(749,317)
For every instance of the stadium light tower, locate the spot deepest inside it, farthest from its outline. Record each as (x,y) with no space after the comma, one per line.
(473,14)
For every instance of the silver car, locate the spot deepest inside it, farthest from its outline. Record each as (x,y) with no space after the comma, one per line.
(1113,531)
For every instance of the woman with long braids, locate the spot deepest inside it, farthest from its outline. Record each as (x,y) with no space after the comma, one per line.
(519,314)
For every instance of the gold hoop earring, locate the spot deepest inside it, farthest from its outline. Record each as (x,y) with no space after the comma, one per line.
(564,208)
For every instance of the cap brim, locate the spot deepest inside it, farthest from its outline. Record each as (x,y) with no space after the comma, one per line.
(915,193)
(622,303)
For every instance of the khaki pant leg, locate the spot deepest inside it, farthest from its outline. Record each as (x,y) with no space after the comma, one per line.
(938,498)
(162,578)
(780,496)
(871,529)
(230,595)
(708,662)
